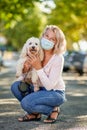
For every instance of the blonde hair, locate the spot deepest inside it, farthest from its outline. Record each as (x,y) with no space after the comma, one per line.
(60,46)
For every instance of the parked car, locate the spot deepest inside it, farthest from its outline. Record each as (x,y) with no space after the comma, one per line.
(1,61)
(76,61)
(66,62)
(85,65)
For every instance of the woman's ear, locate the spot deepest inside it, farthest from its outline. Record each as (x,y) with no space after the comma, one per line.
(60,47)
(56,48)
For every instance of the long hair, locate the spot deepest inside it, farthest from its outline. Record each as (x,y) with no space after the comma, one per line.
(60,46)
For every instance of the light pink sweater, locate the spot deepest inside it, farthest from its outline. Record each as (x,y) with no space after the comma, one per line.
(51,74)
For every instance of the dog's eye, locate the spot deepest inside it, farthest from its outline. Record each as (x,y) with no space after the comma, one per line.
(30,43)
(36,44)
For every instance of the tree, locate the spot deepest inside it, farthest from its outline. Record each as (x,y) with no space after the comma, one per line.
(71,17)
(19,21)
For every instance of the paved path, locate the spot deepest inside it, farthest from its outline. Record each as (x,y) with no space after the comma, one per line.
(73,113)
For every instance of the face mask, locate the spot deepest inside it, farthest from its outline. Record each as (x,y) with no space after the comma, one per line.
(46,44)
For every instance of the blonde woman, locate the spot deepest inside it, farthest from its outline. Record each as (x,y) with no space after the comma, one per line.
(52,91)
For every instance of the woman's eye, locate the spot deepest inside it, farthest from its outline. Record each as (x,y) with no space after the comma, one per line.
(46,35)
(53,40)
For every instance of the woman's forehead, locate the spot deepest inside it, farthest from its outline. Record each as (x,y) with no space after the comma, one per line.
(50,32)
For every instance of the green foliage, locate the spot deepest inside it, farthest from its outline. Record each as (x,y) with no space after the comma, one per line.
(19,21)
(27,27)
(71,17)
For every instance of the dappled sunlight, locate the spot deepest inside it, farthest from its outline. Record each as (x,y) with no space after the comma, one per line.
(5,92)
(22,19)
(9,113)
(8,107)
(5,81)
(44,127)
(83,117)
(74,77)
(77,94)
(8,101)
(71,78)
(82,82)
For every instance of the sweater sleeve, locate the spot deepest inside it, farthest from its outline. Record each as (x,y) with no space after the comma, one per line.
(50,81)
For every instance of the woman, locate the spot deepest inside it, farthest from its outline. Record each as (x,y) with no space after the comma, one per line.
(52,91)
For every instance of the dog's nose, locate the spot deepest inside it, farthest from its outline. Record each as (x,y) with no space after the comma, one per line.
(33,47)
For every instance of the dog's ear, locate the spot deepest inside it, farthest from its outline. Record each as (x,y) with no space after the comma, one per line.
(41,54)
(23,52)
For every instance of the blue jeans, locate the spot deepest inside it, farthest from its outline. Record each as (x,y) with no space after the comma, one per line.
(42,101)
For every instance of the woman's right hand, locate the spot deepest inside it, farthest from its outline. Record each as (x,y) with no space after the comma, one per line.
(26,66)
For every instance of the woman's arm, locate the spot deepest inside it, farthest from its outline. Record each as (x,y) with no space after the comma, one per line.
(26,67)
(54,75)
(55,71)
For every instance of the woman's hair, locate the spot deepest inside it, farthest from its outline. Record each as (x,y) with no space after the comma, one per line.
(60,46)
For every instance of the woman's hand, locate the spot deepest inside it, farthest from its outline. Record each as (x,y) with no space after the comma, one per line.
(26,66)
(34,61)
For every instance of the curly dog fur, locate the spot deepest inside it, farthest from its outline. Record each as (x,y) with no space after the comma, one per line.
(32,45)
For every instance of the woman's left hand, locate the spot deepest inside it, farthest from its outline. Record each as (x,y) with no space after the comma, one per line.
(35,62)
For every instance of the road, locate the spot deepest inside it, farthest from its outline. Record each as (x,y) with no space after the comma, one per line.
(73,114)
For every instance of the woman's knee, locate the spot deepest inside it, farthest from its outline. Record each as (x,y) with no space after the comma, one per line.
(27,105)
(14,86)
(62,101)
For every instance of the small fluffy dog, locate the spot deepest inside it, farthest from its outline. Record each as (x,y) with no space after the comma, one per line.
(32,45)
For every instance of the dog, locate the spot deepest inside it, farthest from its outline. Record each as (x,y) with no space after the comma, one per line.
(32,45)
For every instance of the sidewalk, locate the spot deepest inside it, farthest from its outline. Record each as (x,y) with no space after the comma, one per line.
(73,114)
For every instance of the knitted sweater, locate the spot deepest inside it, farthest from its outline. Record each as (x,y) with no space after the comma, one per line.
(51,74)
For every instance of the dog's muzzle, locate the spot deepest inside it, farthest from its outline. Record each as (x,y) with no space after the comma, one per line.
(33,49)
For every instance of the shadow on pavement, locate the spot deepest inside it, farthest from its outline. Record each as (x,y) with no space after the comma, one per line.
(73,114)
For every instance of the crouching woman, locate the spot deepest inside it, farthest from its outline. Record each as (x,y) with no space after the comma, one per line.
(52,91)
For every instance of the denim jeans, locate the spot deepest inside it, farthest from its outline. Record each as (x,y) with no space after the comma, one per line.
(42,101)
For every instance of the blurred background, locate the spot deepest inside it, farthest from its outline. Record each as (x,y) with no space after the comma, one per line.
(20,20)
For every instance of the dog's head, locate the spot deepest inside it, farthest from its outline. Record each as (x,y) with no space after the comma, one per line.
(33,46)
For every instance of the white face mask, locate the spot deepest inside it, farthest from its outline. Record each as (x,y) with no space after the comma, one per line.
(46,44)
